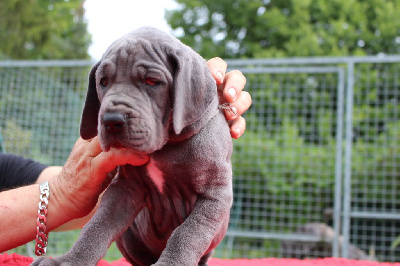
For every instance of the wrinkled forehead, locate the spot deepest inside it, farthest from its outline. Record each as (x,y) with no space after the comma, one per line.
(146,41)
(127,52)
(126,49)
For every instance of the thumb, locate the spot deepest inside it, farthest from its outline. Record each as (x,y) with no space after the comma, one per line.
(108,161)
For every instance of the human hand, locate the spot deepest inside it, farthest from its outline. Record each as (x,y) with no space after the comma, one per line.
(84,176)
(230,90)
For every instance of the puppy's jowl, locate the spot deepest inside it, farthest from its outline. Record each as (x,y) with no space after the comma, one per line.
(156,96)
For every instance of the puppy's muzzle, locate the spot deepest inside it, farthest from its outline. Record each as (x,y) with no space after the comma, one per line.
(114,122)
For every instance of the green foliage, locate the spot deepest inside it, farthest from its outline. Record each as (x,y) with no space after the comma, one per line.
(39,29)
(376,168)
(396,243)
(284,165)
(278,28)
(16,138)
(268,169)
(41,109)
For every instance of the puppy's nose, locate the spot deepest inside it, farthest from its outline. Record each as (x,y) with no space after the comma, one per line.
(114,122)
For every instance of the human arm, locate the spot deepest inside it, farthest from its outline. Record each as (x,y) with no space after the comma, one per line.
(73,192)
(46,175)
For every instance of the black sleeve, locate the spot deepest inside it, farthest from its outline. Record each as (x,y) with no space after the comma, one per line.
(16,171)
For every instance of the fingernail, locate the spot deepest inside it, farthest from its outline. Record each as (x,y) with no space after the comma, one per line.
(219,75)
(237,130)
(234,111)
(232,93)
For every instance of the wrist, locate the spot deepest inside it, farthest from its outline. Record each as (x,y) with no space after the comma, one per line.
(58,212)
(68,201)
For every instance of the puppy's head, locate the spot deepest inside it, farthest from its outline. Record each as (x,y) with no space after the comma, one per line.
(146,86)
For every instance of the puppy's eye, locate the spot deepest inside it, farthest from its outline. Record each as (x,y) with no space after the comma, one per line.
(104,82)
(152,81)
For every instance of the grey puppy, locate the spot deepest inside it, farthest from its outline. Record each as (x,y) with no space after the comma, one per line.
(154,95)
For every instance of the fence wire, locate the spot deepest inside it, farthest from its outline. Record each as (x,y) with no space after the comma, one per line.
(315,175)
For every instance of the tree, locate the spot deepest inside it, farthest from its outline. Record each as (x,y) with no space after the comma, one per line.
(275,28)
(37,29)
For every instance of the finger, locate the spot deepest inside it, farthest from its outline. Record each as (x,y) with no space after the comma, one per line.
(108,161)
(218,68)
(237,127)
(80,151)
(234,83)
(238,107)
(91,146)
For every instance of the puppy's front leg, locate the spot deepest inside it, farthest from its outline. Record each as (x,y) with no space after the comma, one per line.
(206,225)
(115,213)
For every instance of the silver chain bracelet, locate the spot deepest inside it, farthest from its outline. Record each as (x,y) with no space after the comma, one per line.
(41,231)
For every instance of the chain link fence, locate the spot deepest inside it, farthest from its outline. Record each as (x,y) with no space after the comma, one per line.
(316,174)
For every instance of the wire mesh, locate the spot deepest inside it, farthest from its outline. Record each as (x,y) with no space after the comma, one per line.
(40,110)
(375,159)
(289,178)
(284,166)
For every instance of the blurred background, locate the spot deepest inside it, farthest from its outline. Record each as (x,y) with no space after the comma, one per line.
(317,172)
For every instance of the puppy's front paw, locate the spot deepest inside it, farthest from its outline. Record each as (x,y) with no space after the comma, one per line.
(169,263)
(50,262)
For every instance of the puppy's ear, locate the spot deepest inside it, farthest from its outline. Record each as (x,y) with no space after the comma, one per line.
(91,108)
(194,88)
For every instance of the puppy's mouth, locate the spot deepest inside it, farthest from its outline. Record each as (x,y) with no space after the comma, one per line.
(124,141)
(112,142)
(117,145)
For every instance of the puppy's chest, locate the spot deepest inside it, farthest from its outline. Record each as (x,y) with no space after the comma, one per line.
(156,175)
(171,194)
(171,181)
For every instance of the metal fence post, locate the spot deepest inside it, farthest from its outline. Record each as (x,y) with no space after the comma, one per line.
(338,165)
(348,150)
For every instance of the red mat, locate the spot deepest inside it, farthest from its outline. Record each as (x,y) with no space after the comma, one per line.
(18,260)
